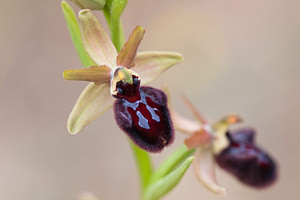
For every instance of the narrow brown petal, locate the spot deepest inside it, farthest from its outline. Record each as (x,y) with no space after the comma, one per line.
(93,101)
(99,74)
(181,123)
(194,110)
(204,167)
(128,52)
(96,41)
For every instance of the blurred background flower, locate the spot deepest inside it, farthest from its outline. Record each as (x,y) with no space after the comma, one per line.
(246,161)
(240,56)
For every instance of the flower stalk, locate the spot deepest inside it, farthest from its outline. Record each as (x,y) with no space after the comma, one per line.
(112,11)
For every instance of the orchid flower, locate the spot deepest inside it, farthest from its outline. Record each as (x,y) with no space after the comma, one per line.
(235,152)
(140,111)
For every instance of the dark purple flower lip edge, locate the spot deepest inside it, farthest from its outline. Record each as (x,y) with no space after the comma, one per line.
(246,161)
(145,118)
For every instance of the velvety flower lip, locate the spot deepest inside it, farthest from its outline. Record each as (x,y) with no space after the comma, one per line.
(96,98)
(246,161)
(146,120)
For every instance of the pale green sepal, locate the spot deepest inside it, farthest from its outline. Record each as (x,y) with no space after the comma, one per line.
(93,101)
(96,41)
(75,34)
(144,164)
(176,158)
(162,186)
(149,65)
(90,4)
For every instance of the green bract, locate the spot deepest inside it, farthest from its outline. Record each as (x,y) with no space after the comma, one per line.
(162,186)
(75,34)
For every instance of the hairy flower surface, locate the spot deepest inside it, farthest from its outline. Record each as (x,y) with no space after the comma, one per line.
(141,112)
(235,152)
(245,160)
(146,119)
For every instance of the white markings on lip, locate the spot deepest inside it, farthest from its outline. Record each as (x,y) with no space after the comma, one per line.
(153,114)
(143,122)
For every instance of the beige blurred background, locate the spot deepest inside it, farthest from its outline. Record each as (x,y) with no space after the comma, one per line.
(240,56)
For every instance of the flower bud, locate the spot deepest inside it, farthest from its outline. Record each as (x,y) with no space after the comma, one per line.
(245,160)
(90,4)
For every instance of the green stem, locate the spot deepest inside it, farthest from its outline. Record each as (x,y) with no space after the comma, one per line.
(117,34)
(116,29)
(142,158)
(144,165)
(106,12)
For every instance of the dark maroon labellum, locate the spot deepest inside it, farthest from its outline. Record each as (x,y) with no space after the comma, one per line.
(245,160)
(142,113)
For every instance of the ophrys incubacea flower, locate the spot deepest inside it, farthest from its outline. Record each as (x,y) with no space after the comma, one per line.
(236,151)
(140,111)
